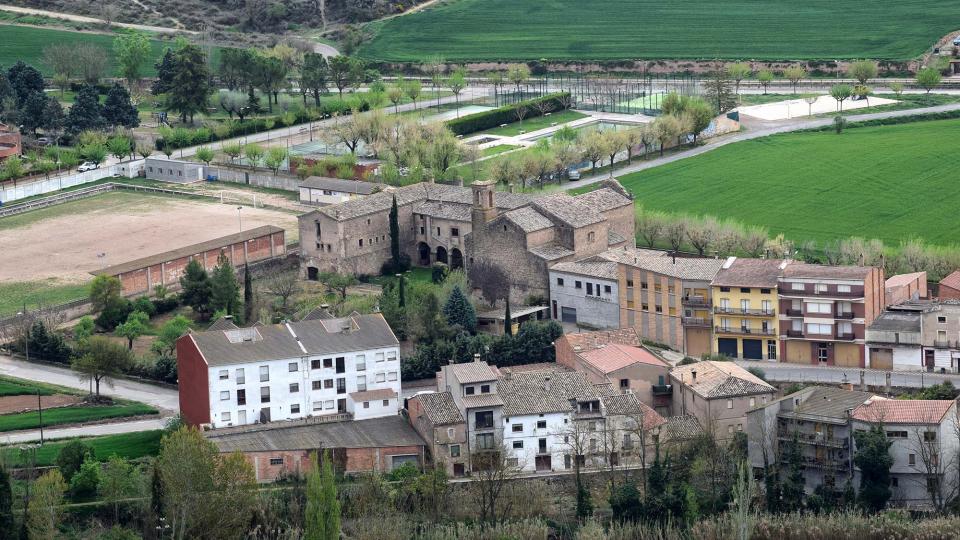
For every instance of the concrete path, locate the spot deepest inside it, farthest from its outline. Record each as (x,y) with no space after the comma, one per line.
(783,372)
(165,399)
(84,431)
(92,20)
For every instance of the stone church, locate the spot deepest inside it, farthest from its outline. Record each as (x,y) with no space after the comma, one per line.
(523,234)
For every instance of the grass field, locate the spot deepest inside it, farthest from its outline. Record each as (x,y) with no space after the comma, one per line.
(27,43)
(498,149)
(888,182)
(72,415)
(465,30)
(33,294)
(125,445)
(10,386)
(533,124)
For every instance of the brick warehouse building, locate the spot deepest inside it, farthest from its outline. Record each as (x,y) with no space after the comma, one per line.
(140,276)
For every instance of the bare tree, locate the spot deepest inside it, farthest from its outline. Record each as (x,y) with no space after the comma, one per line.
(702,233)
(675,232)
(649,226)
(755,241)
(492,470)
(282,285)
(938,470)
(491,279)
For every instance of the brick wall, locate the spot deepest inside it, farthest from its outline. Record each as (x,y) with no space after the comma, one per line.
(193,374)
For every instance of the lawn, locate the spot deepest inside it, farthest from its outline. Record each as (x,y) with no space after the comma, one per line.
(466,30)
(10,386)
(33,294)
(888,182)
(414,275)
(72,415)
(125,445)
(27,43)
(533,124)
(498,149)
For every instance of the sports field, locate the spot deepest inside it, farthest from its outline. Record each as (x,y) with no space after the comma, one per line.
(464,30)
(27,43)
(888,182)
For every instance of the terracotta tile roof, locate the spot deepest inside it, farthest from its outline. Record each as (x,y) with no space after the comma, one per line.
(572,211)
(900,280)
(423,191)
(440,408)
(473,372)
(583,341)
(903,411)
(374,395)
(443,210)
(952,281)
(539,392)
(740,272)
(680,428)
(823,271)
(614,238)
(597,267)
(690,268)
(537,366)
(551,251)
(716,380)
(373,433)
(629,405)
(528,219)
(604,199)
(614,356)
(223,323)
(482,400)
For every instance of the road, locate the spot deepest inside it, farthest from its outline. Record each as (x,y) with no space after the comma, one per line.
(84,431)
(782,372)
(93,20)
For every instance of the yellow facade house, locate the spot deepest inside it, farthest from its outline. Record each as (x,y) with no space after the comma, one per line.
(744,295)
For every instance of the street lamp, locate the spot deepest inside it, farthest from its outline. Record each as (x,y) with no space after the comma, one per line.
(240,217)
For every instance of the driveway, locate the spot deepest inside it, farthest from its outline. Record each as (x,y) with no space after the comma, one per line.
(83,431)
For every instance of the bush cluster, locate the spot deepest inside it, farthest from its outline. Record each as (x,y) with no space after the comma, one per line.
(507,114)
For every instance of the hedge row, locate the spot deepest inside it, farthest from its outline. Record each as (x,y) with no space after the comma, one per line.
(908,119)
(506,114)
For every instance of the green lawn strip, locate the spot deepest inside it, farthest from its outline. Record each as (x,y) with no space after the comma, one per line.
(72,415)
(125,445)
(873,182)
(498,149)
(34,294)
(19,387)
(534,124)
(520,30)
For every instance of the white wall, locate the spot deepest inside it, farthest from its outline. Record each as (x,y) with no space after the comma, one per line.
(601,311)
(321,196)
(29,188)
(530,435)
(312,402)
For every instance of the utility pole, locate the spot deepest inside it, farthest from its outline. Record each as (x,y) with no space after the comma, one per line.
(40,414)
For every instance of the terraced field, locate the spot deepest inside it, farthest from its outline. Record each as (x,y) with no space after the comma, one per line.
(464,30)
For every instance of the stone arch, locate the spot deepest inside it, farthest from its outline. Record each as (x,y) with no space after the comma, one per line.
(442,254)
(423,252)
(456,259)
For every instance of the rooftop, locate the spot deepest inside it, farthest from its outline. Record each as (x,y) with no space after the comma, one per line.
(897,321)
(597,267)
(900,280)
(740,272)
(582,341)
(823,402)
(570,210)
(294,339)
(604,199)
(614,356)
(443,210)
(528,219)
(374,395)
(344,186)
(952,280)
(482,400)
(539,392)
(223,323)
(186,251)
(903,411)
(720,380)
(551,251)
(680,428)
(689,268)
(473,372)
(629,405)
(440,408)
(823,271)
(373,433)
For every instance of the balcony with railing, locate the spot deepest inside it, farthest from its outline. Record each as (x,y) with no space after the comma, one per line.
(816,439)
(846,336)
(844,315)
(697,321)
(794,312)
(662,389)
(696,301)
(741,311)
(745,331)
(795,333)
(945,344)
(788,292)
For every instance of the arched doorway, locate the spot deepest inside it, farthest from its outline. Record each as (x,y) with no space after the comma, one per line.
(423,250)
(442,254)
(456,259)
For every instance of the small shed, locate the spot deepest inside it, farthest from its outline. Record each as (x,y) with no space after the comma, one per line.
(172,170)
(322,190)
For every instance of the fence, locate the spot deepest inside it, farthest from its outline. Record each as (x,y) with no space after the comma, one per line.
(14,191)
(255,177)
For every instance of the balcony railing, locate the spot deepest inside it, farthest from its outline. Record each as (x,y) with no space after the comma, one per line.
(787,291)
(830,464)
(696,301)
(696,321)
(812,438)
(741,311)
(844,315)
(662,389)
(794,333)
(794,312)
(749,331)
(945,344)
(846,337)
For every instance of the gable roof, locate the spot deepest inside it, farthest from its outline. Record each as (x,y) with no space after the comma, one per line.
(900,280)
(614,356)
(741,272)
(680,428)
(358,187)
(422,191)
(223,323)
(690,268)
(473,372)
(528,219)
(630,405)
(604,199)
(551,251)
(597,267)
(903,411)
(823,271)
(582,341)
(317,314)
(716,380)
(572,211)
(281,341)
(540,392)
(440,408)
(952,280)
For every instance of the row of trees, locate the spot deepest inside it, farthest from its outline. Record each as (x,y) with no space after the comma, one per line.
(88,62)
(862,71)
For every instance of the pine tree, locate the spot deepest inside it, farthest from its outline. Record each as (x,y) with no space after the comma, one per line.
(118,110)
(164,69)
(190,87)
(247,295)
(196,288)
(6,504)
(507,320)
(86,112)
(459,311)
(224,289)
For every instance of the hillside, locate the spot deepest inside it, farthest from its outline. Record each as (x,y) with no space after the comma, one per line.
(889,182)
(465,30)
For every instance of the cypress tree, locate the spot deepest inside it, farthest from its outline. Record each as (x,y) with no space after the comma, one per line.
(507,325)
(247,295)
(459,311)
(195,284)
(395,233)
(402,302)
(331,517)
(313,517)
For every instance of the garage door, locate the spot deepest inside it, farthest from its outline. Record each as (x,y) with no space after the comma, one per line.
(568,314)
(881,358)
(753,349)
(727,346)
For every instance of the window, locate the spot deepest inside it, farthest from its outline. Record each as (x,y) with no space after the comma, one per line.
(381,377)
(516,428)
(484,388)
(929,436)
(941,320)
(730,429)
(341,386)
(485,441)
(454,450)
(629,282)
(276,461)
(739,427)
(820,329)
(318,405)
(360,242)
(658,309)
(454,231)
(912,459)
(518,445)
(292,366)
(590,288)
(225,395)
(294,388)
(560,281)
(366,404)
(468,390)
(241,397)
(607,289)
(240,377)
(894,481)
(328,383)
(225,417)
(224,374)
(341,366)
(541,424)
(264,394)
(264,373)
(483,419)
(577,285)
(361,383)
(798,286)
(624,383)
(729,403)
(295,408)
(386,403)
(392,376)
(745,305)
(745,289)
(316,385)
(438,231)
(820,287)
(361,363)
(328,404)
(644,307)
(328,362)
(819,307)
(896,434)
(843,288)
(315,364)
(764,291)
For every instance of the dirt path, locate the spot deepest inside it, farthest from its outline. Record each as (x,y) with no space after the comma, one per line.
(16,404)
(94,20)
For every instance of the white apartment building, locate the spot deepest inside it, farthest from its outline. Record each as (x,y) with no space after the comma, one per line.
(295,370)
(585,293)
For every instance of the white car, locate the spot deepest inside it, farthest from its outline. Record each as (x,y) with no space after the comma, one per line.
(88,166)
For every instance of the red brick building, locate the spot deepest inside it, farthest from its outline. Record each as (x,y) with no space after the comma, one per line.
(275,451)
(140,276)
(949,287)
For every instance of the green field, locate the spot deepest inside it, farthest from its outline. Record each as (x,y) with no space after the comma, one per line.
(888,182)
(464,30)
(125,445)
(10,386)
(72,415)
(533,124)
(33,294)
(27,43)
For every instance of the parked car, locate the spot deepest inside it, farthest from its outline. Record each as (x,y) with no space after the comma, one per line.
(573,174)
(43,141)
(88,166)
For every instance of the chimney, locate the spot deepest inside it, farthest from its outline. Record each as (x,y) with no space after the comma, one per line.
(324,306)
(863,381)
(674,256)
(693,375)
(476,357)
(546,384)
(510,187)
(508,374)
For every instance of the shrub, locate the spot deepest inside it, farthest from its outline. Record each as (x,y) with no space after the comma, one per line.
(507,114)
(439,272)
(114,313)
(72,456)
(145,305)
(165,305)
(84,483)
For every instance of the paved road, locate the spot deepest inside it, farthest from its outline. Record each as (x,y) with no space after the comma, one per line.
(779,372)
(164,399)
(83,431)
(94,20)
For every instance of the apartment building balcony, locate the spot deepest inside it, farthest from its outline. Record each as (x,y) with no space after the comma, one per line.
(787,292)
(817,440)
(696,301)
(697,321)
(662,389)
(740,311)
(794,312)
(846,337)
(844,315)
(945,344)
(795,333)
(745,331)
(826,464)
